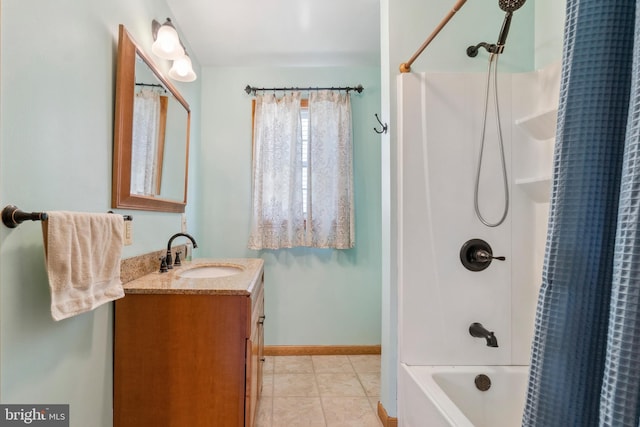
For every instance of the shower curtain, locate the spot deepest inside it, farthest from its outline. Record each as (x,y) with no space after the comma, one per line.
(585,364)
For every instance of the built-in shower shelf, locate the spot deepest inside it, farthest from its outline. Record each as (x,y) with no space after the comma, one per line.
(541,126)
(538,188)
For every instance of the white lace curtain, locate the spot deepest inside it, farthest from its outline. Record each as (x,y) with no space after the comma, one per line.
(144,151)
(330,210)
(278,219)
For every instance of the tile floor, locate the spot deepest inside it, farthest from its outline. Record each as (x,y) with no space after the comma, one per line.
(320,391)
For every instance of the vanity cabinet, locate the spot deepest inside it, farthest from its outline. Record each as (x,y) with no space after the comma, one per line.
(188,359)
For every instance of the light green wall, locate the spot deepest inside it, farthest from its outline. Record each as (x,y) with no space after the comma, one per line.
(312,297)
(58,61)
(411,21)
(549,27)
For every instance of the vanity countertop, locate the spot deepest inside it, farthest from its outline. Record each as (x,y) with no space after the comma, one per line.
(242,283)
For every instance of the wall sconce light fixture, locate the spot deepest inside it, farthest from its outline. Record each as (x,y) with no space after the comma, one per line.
(182,70)
(167,45)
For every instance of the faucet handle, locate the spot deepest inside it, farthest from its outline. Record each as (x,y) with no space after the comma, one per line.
(177,260)
(476,255)
(163,265)
(482,255)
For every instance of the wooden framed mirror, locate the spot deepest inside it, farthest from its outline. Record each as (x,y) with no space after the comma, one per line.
(151,135)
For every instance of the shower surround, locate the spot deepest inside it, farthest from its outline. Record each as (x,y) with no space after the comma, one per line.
(440,125)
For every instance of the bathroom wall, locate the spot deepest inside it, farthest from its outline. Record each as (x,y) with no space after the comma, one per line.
(405,25)
(549,31)
(438,161)
(312,297)
(436,217)
(56,113)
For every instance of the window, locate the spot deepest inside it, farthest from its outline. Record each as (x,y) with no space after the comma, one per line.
(304,123)
(302,192)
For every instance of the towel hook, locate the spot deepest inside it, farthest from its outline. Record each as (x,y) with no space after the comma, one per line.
(384,126)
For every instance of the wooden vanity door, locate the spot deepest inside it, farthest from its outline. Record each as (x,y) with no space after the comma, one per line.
(255,359)
(180,360)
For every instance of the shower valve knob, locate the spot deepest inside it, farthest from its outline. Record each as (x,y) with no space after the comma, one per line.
(476,255)
(482,255)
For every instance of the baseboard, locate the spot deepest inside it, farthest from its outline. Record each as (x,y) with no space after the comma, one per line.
(320,350)
(385,419)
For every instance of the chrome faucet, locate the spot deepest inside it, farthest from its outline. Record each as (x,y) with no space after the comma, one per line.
(168,258)
(479,331)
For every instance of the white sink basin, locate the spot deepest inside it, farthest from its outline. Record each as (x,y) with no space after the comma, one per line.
(211,271)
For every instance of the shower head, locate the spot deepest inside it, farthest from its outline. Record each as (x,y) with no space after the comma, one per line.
(510,5)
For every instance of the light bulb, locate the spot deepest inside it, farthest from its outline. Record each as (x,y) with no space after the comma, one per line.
(182,66)
(167,44)
(182,70)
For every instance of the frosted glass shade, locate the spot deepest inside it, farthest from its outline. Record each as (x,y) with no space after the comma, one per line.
(182,70)
(167,44)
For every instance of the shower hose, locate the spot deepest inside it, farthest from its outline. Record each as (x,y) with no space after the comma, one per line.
(492,70)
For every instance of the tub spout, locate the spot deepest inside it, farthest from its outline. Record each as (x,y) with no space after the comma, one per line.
(479,331)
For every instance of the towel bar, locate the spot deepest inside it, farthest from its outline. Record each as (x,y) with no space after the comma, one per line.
(12,216)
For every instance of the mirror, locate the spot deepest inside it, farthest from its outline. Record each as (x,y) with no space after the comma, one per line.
(151,135)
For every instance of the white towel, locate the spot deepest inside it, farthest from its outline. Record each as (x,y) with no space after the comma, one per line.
(82,252)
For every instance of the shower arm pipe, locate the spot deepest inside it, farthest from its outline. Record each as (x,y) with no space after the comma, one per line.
(405,67)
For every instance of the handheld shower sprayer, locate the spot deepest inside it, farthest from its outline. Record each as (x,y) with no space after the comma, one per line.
(508,6)
(504,31)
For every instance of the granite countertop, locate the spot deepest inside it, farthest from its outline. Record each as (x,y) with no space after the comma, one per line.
(242,283)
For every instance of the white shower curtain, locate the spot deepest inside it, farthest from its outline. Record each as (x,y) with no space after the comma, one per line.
(144,155)
(278,219)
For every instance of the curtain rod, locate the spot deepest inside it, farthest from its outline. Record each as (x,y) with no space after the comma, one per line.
(249,89)
(405,67)
(153,85)
(150,85)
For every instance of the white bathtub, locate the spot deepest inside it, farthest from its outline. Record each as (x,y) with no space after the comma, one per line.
(444,396)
